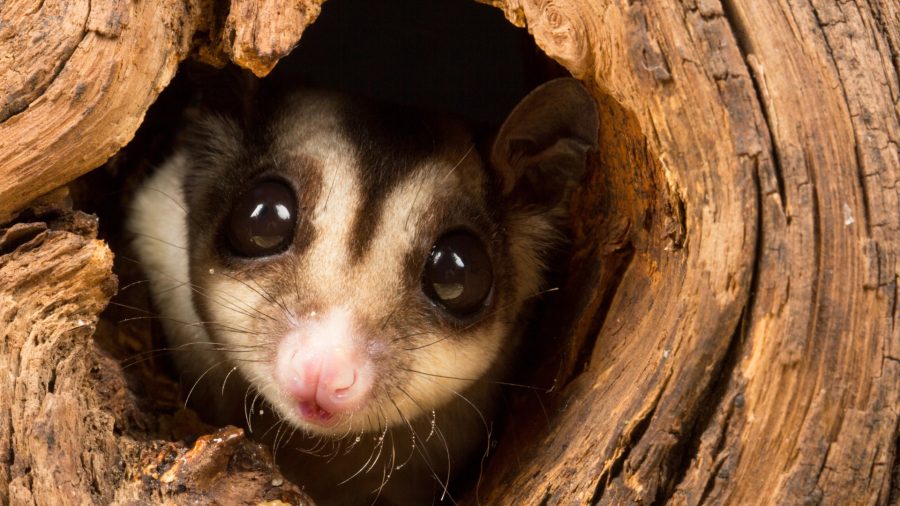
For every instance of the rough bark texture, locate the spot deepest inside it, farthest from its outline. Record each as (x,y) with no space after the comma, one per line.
(70,430)
(730,323)
(748,353)
(76,77)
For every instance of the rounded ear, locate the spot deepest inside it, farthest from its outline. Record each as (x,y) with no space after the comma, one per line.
(223,107)
(541,149)
(230,91)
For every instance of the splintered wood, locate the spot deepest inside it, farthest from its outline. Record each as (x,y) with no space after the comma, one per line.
(76,77)
(71,431)
(747,214)
(727,330)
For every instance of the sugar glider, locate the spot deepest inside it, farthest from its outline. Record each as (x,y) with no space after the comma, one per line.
(349,278)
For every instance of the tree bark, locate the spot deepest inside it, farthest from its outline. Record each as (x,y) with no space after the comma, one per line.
(726,332)
(71,431)
(76,77)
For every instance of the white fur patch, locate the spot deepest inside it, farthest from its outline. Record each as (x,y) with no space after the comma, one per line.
(158,222)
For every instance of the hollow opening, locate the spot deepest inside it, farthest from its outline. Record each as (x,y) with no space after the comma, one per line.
(454,57)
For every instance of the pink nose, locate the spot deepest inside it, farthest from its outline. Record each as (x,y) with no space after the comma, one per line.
(329,383)
(324,367)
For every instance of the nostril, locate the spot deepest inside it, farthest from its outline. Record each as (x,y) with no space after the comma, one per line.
(343,383)
(345,389)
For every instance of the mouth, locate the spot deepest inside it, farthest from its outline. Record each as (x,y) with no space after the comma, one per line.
(313,413)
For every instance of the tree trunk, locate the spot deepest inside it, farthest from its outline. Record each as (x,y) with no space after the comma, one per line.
(727,329)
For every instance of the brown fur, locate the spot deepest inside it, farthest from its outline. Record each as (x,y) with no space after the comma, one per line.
(375,192)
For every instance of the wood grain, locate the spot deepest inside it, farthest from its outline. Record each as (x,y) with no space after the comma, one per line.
(757,364)
(728,329)
(71,432)
(76,78)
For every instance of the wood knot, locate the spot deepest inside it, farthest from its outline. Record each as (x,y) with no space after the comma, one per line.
(561,32)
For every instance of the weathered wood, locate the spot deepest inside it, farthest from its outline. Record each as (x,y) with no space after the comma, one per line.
(775,127)
(812,403)
(70,430)
(76,77)
(671,320)
(727,329)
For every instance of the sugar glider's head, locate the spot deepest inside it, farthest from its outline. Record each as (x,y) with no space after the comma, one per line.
(361,265)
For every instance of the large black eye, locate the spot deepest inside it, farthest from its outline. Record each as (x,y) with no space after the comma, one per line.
(458,274)
(262,220)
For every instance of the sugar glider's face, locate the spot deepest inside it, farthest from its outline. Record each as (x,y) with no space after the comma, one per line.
(365,272)
(360,266)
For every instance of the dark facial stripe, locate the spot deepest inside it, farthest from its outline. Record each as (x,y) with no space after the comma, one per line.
(267,276)
(446,214)
(390,143)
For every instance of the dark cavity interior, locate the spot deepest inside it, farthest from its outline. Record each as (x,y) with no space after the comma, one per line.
(448,55)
